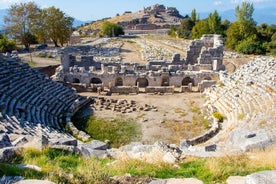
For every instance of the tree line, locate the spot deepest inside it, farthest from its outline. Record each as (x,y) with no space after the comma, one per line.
(28,24)
(243,35)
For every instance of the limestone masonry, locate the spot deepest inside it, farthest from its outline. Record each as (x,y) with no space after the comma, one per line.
(200,68)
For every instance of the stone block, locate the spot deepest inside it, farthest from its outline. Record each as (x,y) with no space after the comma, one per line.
(262,177)
(64,141)
(5,141)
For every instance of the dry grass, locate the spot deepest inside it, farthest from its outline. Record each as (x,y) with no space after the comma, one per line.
(261,158)
(241,116)
(183,130)
(180,111)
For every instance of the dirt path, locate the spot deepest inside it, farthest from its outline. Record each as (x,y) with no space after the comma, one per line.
(171,123)
(169,47)
(130,53)
(39,61)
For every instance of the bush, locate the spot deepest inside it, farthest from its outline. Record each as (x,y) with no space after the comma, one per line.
(6,45)
(218,116)
(250,46)
(111,29)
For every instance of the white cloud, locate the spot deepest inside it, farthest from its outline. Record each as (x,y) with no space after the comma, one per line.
(252,1)
(217,3)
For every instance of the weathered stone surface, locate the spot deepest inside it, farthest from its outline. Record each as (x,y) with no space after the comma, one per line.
(128,179)
(64,141)
(184,144)
(27,166)
(5,141)
(158,152)
(169,158)
(10,179)
(7,154)
(263,177)
(34,182)
(87,152)
(236,180)
(96,144)
(240,138)
(177,181)
(20,141)
(94,148)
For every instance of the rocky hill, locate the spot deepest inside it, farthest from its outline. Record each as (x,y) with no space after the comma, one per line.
(153,17)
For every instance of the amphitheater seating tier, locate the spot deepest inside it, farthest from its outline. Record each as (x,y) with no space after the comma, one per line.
(248,94)
(29,96)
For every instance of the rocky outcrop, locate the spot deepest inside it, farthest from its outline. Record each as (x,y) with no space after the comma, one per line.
(177,181)
(94,148)
(158,152)
(262,177)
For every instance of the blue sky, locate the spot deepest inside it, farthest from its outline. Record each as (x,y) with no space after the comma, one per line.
(97,9)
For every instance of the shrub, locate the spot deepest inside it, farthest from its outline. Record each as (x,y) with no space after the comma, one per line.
(250,46)
(218,116)
(111,29)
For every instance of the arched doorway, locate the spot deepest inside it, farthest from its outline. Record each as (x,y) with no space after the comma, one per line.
(187,80)
(165,81)
(142,82)
(119,81)
(76,80)
(95,80)
(207,78)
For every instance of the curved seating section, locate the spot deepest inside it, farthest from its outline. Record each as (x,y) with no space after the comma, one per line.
(30,96)
(247,95)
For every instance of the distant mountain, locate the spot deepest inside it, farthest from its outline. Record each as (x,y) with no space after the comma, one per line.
(264,15)
(77,22)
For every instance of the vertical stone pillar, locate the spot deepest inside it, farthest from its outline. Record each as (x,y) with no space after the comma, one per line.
(215,65)
(190,86)
(123,69)
(102,68)
(65,61)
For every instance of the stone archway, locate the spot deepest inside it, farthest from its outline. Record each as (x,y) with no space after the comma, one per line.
(165,81)
(142,82)
(187,80)
(207,78)
(76,80)
(119,81)
(96,80)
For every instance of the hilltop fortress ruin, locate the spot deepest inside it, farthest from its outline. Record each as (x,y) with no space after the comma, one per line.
(200,68)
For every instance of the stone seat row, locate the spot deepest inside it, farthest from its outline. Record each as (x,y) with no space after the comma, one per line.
(240,100)
(33,97)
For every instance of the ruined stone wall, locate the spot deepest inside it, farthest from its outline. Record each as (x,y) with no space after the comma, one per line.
(206,51)
(146,26)
(124,89)
(159,89)
(154,79)
(205,84)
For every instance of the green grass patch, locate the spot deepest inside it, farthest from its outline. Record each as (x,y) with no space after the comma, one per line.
(12,170)
(31,63)
(64,167)
(119,132)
